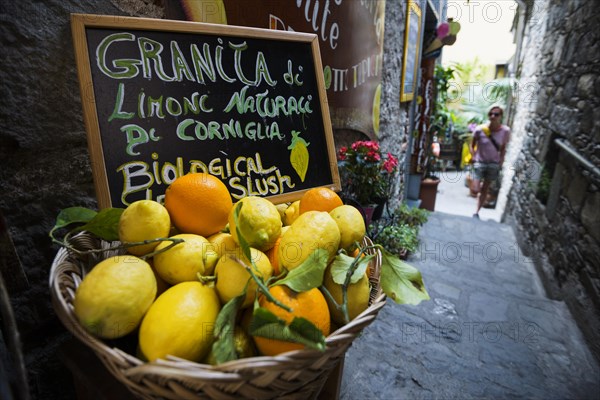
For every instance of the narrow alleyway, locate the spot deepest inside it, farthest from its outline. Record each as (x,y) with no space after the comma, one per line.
(488,332)
(453,198)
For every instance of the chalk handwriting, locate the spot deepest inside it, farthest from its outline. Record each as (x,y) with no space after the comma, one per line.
(209,62)
(245,176)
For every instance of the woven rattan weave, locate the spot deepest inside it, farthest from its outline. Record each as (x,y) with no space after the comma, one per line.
(293,375)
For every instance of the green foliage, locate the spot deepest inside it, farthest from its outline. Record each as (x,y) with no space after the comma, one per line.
(104,224)
(398,238)
(342,264)
(224,346)
(442,117)
(300,330)
(307,275)
(474,90)
(402,282)
(399,232)
(411,216)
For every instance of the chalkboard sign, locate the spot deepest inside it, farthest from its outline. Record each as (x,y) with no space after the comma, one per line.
(412,43)
(164,98)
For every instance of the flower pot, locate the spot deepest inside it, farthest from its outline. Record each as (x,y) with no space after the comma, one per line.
(428,193)
(368,213)
(379,208)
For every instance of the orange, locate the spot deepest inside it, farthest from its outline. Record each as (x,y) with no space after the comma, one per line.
(273,257)
(310,305)
(198,203)
(319,199)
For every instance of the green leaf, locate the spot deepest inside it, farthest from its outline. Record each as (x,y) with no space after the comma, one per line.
(268,325)
(105,224)
(224,346)
(73,215)
(311,336)
(402,282)
(307,275)
(341,265)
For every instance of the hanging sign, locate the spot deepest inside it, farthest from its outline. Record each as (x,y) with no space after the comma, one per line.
(350,35)
(411,59)
(164,98)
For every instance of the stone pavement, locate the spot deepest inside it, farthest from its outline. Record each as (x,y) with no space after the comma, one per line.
(488,332)
(453,197)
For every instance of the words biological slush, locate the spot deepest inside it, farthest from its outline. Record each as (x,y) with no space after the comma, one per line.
(197,118)
(238,174)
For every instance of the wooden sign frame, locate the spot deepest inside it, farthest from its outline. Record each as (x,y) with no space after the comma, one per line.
(412,47)
(81,23)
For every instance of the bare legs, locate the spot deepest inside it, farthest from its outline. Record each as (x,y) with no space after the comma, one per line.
(482,189)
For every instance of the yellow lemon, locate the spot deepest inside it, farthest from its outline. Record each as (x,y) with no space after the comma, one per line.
(358,297)
(291,213)
(112,299)
(180,323)
(351,225)
(232,276)
(184,261)
(281,209)
(221,243)
(259,222)
(161,285)
(144,220)
(312,230)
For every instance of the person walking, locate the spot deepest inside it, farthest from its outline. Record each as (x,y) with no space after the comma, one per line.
(488,148)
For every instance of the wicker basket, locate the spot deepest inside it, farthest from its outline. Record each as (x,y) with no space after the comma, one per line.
(294,375)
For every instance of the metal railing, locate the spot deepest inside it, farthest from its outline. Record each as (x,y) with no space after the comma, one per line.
(564,145)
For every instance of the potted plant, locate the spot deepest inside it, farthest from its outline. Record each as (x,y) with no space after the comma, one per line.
(366,174)
(399,234)
(399,240)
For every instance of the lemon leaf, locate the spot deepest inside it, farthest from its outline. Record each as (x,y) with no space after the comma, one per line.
(105,224)
(400,281)
(311,335)
(268,325)
(342,264)
(307,275)
(71,215)
(224,346)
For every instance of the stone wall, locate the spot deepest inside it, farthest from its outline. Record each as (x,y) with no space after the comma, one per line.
(554,203)
(44,163)
(394,117)
(44,158)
